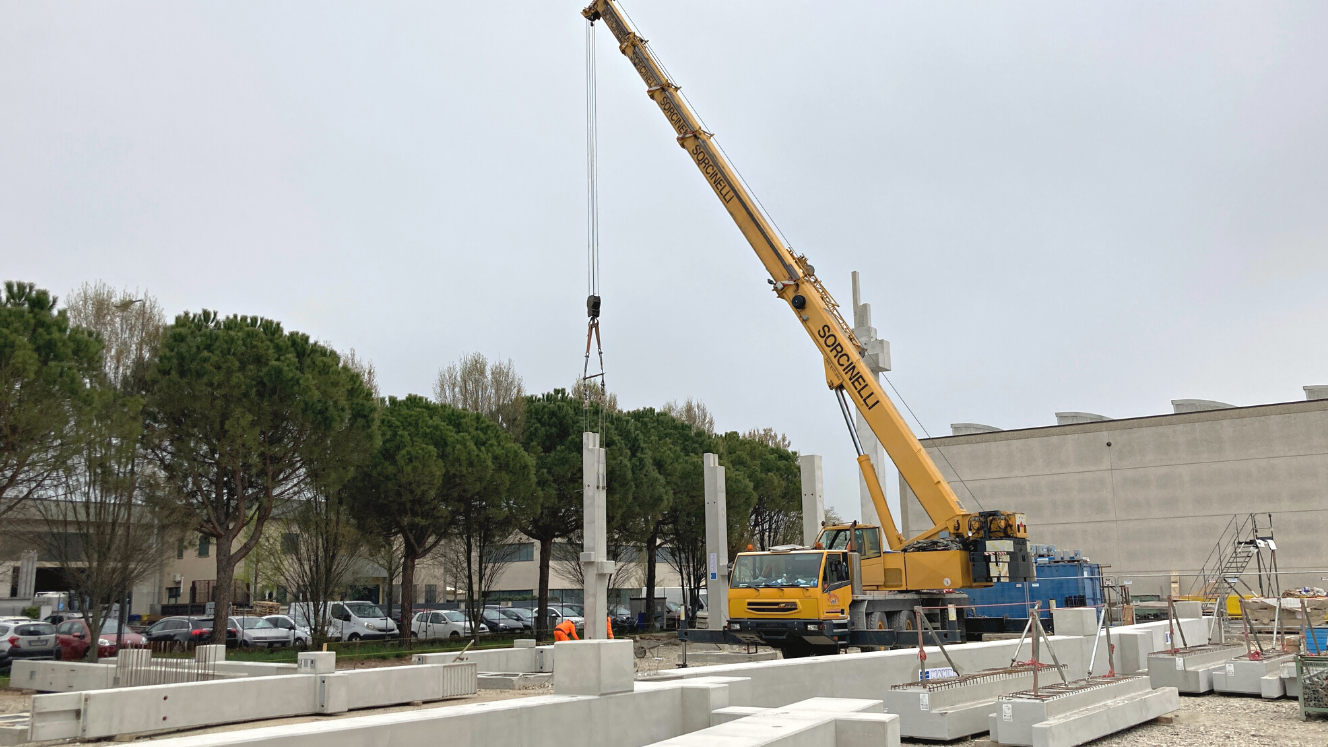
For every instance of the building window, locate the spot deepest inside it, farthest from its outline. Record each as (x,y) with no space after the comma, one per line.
(173,593)
(431,593)
(521,552)
(179,550)
(204,545)
(290,543)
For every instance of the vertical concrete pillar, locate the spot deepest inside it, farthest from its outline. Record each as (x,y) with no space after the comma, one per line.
(717,543)
(813,497)
(595,564)
(877,358)
(27,575)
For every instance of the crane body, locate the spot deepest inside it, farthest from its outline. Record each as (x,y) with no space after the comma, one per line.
(962,548)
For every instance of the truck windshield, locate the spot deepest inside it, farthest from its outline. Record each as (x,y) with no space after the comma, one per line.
(791,569)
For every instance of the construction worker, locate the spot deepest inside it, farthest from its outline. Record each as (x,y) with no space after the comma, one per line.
(565,631)
(608,625)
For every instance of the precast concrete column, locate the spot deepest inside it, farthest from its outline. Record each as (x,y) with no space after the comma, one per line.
(717,543)
(595,564)
(813,497)
(27,575)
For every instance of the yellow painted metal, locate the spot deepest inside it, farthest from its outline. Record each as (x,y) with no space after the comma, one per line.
(892,537)
(789,603)
(794,281)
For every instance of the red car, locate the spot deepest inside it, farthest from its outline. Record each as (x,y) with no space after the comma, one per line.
(74,639)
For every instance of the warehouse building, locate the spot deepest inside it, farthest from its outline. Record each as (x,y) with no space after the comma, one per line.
(1150,497)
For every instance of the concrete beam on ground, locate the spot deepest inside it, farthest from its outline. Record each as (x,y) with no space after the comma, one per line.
(1081,712)
(957,707)
(1189,670)
(816,722)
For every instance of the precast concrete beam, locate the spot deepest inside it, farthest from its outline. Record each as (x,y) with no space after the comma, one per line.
(1189,670)
(1078,713)
(717,543)
(953,709)
(594,667)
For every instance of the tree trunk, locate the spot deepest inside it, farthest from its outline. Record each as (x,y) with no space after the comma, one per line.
(223,591)
(651,548)
(407,595)
(542,601)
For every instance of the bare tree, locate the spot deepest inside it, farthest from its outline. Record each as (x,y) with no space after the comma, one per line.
(626,574)
(692,412)
(319,546)
(494,390)
(770,437)
(129,323)
(111,522)
(484,561)
(385,550)
(365,368)
(593,392)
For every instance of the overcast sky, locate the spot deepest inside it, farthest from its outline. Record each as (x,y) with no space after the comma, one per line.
(1054,206)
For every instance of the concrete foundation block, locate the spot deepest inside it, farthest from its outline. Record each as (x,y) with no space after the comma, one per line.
(1073,718)
(1132,650)
(599,667)
(1189,671)
(333,693)
(524,643)
(316,662)
(1075,620)
(55,716)
(951,712)
(1241,676)
(212,652)
(1271,687)
(1188,610)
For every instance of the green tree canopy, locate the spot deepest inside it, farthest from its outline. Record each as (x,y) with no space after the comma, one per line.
(45,367)
(241,416)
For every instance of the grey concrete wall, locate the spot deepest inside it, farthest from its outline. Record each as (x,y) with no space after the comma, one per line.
(1156,500)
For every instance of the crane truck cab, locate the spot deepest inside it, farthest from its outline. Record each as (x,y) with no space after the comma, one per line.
(792,598)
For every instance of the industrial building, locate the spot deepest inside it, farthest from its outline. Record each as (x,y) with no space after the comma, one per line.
(1150,497)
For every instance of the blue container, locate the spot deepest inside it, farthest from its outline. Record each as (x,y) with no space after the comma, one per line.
(1068,583)
(1321,636)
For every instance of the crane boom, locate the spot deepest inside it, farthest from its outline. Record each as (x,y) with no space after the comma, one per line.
(794,280)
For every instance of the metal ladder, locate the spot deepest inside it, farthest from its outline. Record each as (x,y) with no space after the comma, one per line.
(1243,542)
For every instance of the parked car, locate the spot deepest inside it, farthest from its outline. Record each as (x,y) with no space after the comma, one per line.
(348,621)
(555,615)
(75,640)
(497,622)
(255,632)
(520,615)
(60,617)
(186,630)
(296,635)
(441,624)
(27,640)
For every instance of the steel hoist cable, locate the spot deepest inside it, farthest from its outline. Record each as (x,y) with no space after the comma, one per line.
(592,241)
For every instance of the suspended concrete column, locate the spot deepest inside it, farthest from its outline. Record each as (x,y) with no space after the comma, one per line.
(717,544)
(595,562)
(813,497)
(877,358)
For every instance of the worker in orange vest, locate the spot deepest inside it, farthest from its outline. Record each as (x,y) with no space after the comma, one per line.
(565,631)
(608,625)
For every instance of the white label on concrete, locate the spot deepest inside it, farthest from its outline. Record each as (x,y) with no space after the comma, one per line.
(939,673)
(1180,664)
(714,566)
(1166,636)
(1007,712)
(925,701)
(1231,669)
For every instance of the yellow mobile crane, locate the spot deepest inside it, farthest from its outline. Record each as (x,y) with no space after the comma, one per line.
(848,588)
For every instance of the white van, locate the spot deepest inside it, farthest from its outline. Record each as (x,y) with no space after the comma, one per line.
(347,621)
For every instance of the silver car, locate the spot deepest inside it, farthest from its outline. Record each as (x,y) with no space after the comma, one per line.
(253,632)
(296,635)
(27,640)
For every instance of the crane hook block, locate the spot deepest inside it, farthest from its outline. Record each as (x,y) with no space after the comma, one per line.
(592,306)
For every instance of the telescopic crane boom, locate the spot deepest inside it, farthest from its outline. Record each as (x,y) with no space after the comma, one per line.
(794,281)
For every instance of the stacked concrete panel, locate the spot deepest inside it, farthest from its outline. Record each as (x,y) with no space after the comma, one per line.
(1243,675)
(956,707)
(1078,713)
(1189,670)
